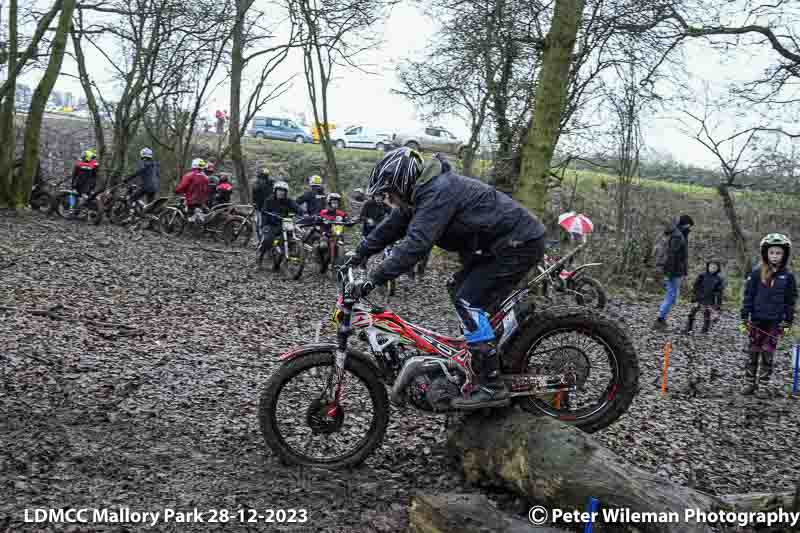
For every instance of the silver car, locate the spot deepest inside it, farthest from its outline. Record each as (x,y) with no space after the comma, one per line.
(431,139)
(360,136)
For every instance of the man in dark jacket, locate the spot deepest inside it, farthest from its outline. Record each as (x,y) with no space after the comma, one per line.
(707,294)
(313,200)
(277,207)
(497,239)
(675,266)
(261,193)
(373,212)
(149,172)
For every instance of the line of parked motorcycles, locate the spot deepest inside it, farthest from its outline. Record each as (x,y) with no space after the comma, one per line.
(301,240)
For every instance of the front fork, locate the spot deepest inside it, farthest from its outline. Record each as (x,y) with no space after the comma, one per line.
(333,391)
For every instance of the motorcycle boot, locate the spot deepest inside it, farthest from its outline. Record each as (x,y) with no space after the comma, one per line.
(489,390)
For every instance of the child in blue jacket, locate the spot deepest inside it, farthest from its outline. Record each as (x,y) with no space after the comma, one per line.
(767,310)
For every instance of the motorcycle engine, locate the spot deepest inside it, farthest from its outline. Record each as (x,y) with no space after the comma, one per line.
(432,393)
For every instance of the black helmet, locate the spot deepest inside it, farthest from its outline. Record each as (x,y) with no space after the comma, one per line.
(398,171)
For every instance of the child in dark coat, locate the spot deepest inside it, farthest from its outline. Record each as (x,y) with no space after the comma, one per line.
(767,310)
(706,294)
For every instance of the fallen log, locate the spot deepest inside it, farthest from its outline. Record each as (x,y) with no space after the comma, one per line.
(559,466)
(464,513)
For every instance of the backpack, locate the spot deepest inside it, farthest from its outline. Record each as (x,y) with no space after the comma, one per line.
(661,249)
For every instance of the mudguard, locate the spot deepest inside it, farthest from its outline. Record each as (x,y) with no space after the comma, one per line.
(577,271)
(306,349)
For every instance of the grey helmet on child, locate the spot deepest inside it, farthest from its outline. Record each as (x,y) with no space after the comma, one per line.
(776,239)
(283,186)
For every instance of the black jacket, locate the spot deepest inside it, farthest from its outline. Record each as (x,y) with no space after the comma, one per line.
(282,208)
(455,213)
(708,287)
(149,172)
(772,302)
(262,192)
(376,211)
(677,262)
(314,202)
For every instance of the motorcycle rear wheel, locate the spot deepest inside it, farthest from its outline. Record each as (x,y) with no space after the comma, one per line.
(589,292)
(615,344)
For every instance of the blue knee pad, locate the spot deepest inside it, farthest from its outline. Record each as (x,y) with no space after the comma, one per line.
(476,324)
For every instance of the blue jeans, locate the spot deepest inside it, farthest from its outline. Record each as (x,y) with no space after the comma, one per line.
(673,286)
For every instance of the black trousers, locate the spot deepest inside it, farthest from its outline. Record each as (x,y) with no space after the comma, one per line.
(483,282)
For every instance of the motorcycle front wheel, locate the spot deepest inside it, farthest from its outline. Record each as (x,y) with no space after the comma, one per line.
(296,262)
(171,221)
(302,429)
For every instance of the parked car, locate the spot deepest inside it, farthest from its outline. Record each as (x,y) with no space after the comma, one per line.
(431,139)
(282,129)
(360,136)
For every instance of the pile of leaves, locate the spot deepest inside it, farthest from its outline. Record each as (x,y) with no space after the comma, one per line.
(132,366)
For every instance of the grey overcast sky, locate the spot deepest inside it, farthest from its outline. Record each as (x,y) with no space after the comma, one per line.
(358,97)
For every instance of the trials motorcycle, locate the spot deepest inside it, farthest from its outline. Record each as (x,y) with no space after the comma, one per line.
(327,404)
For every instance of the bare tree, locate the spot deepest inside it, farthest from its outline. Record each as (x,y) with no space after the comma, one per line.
(87,84)
(250,32)
(584,39)
(333,32)
(151,36)
(738,153)
(751,23)
(16,62)
(30,159)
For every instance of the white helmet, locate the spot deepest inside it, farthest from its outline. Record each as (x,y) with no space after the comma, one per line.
(281,185)
(146,153)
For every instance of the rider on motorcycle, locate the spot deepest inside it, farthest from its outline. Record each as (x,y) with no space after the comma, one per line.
(150,173)
(314,198)
(84,174)
(332,211)
(497,239)
(194,187)
(274,209)
(224,190)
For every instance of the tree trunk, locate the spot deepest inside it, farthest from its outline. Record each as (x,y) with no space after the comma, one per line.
(91,101)
(8,148)
(739,240)
(504,175)
(33,126)
(464,513)
(237,68)
(551,94)
(559,466)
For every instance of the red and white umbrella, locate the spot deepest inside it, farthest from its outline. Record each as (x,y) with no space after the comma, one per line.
(576,223)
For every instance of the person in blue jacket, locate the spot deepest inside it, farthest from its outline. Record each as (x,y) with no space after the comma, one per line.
(497,239)
(767,310)
(149,172)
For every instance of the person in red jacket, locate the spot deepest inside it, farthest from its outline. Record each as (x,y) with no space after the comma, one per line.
(84,173)
(194,187)
(332,212)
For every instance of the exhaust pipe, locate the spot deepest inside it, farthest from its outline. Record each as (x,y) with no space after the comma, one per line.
(414,367)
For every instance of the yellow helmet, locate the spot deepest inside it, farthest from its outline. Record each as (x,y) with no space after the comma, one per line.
(88,155)
(199,163)
(315,180)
